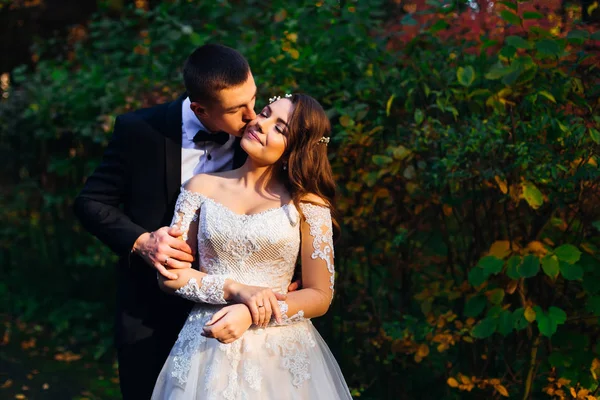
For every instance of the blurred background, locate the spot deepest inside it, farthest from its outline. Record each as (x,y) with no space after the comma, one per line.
(465,146)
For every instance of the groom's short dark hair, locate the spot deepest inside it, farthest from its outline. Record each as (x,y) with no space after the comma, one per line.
(211,68)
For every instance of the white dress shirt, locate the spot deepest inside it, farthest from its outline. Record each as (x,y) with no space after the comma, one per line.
(194,156)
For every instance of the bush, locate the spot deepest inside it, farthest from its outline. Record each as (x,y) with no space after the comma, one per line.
(468,175)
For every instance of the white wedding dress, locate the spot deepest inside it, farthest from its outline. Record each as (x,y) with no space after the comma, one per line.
(287,361)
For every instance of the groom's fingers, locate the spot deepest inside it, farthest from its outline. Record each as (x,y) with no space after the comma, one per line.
(163,271)
(218,315)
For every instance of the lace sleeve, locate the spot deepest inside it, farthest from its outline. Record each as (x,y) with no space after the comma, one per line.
(285,320)
(187,209)
(209,291)
(321,230)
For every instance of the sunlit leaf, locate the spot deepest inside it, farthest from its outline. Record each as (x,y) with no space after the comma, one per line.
(547,95)
(550,265)
(532,195)
(466,75)
(568,253)
(529,314)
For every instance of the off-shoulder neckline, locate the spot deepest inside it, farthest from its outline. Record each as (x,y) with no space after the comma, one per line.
(224,207)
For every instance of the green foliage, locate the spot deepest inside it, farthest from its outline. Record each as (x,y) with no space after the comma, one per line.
(461,174)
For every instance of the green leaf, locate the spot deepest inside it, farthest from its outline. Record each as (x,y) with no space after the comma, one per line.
(477,276)
(595,135)
(419,116)
(519,43)
(508,51)
(440,25)
(491,265)
(546,325)
(510,17)
(548,47)
(512,267)
(505,323)
(519,320)
(568,253)
(595,36)
(496,296)
(196,39)
(466,76)
(475,306)
(484,328)
(571,272)
(550,265)
(532,15)
(509,4)
(532,195)
(529,267)
(547,95)
(382,160)
(558,315)
(578,36)
(497,71)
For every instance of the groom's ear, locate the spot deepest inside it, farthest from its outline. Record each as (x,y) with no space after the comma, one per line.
(199,109)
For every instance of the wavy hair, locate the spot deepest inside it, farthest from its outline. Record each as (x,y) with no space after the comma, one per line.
(309,170)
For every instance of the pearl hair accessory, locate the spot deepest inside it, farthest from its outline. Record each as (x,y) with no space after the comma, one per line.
(275,98)
(324,139)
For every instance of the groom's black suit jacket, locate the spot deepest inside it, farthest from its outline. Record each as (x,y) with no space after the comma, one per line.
(132,191)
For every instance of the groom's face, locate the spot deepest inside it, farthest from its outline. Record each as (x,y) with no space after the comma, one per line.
(233,109)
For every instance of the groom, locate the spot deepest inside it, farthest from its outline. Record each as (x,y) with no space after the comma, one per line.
(129,199)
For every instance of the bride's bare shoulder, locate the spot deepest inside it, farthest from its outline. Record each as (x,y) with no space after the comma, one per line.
(205,184)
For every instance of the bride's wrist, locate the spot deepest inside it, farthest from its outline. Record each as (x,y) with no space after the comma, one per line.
(231,289)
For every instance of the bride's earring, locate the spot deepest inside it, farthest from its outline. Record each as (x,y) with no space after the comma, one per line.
(285,167)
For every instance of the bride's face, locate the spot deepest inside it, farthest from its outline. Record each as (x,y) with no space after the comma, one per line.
(265,138)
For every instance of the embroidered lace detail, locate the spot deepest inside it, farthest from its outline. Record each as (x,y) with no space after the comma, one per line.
(253,374)
(319,220)
(292,343)
(285,320)
(187,344)
(211,290)
(186,210)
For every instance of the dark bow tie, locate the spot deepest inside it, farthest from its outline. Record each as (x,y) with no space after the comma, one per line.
(204,136)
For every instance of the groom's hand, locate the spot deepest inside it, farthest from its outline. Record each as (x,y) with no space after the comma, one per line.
(228,324)
(163,248)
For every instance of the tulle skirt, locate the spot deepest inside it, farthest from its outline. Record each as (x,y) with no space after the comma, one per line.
(279,362)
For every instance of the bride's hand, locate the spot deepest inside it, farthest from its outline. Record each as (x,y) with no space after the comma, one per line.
(261,301)
(228,324)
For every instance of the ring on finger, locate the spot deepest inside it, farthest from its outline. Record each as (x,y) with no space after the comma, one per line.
(260,306)
(166,263)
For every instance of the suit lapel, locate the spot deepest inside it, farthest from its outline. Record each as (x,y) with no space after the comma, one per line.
(173,134)
(239,155)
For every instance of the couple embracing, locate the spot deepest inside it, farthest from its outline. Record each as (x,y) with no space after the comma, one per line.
(205,182)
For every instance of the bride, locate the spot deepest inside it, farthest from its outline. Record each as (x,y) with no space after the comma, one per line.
(249,226)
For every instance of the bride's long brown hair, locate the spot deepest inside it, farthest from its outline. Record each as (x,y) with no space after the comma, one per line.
(308,168)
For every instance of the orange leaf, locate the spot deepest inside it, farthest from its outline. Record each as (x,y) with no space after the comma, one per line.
(502,390)
(452,382)
(500,249)
(501,184)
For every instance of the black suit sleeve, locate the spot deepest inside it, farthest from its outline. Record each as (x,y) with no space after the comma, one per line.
(98,204)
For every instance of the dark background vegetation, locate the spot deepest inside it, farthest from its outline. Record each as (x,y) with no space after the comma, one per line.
(465,145)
